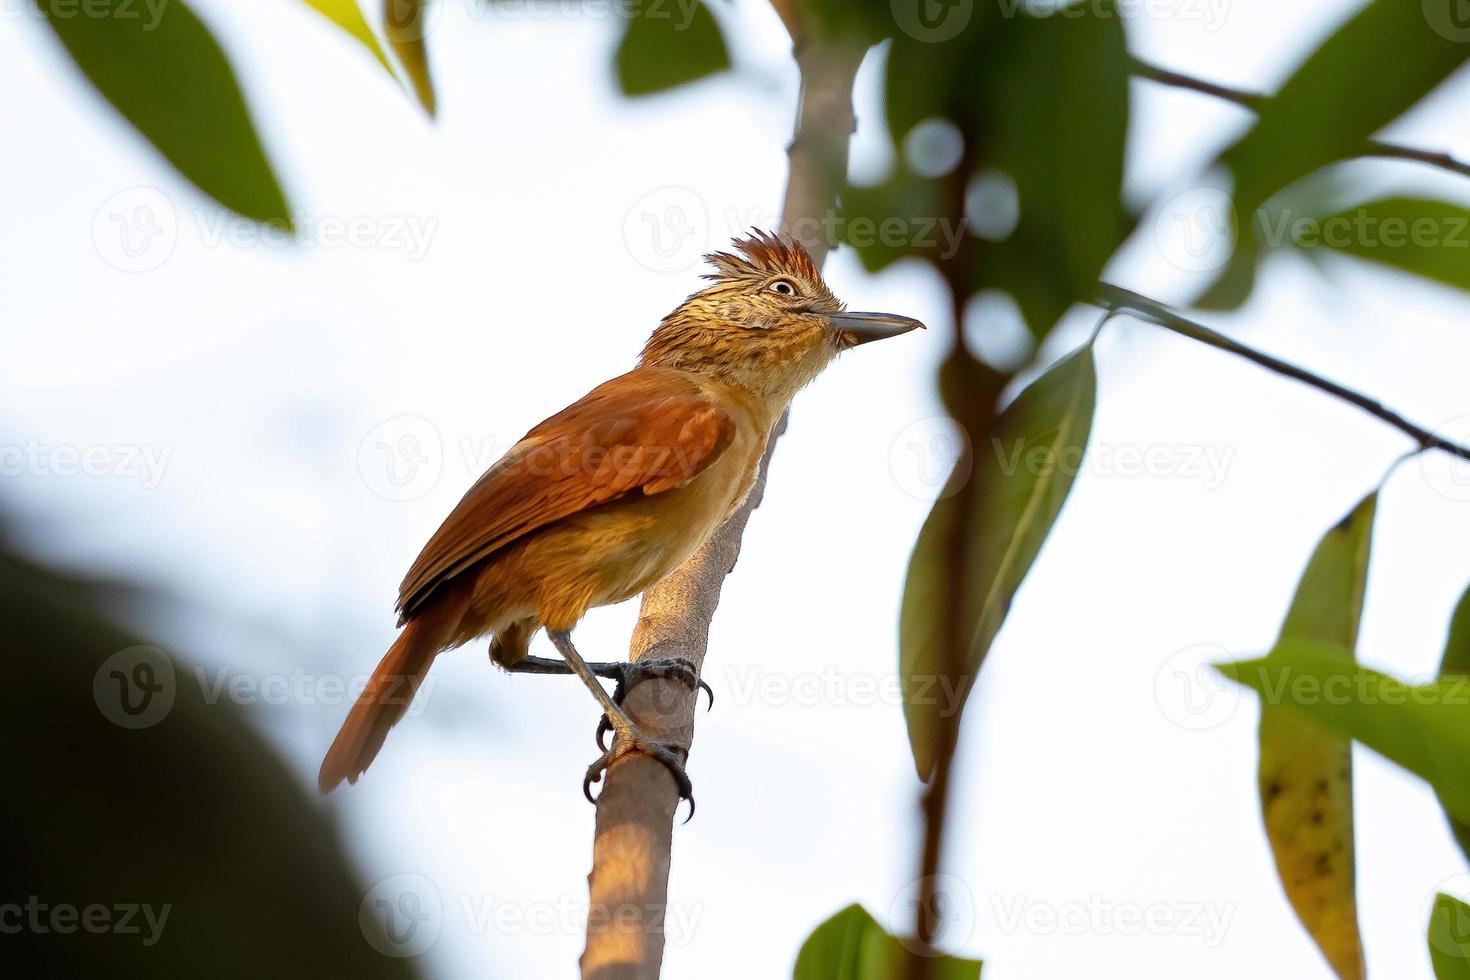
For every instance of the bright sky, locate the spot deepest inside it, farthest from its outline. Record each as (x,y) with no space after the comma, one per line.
(258,409)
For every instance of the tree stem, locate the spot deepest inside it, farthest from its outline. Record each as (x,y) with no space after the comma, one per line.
(1255,100)
(631,850)
(1122,300)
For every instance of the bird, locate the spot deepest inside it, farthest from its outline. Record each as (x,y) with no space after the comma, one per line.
(610,495)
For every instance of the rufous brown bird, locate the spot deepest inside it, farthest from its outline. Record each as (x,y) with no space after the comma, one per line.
(608,496)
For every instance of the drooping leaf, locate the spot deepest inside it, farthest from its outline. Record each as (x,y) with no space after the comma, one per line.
(1042,101)
(407,24)
(1456,663)
(1424,728)
(1330,106)
(1305,774)
(1449,938)
(1426,238)
(981,539)
(853,946)
(162,69)
(347,15)
(667,45)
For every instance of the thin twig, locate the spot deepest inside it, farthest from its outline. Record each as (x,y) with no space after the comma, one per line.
(1255,100)
(631,851)
(1121,300)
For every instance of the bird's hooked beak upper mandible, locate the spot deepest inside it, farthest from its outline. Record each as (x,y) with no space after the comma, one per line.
(860,328)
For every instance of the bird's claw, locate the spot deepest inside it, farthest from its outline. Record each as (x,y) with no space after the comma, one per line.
(670,754)
(630,674)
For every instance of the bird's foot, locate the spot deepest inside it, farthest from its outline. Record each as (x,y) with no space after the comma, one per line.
(631,739)
(629,674)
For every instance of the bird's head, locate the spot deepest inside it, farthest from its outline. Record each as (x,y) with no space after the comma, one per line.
(767,321)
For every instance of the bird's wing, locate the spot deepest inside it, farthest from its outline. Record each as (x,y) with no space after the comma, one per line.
(651,430)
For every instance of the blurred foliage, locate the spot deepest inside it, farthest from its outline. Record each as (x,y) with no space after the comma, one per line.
(195,813)
(853,946)
(171,80)
(667,45)
(1040,100)
(1430,239)
(1305,775)
(347,15)
(1449,938)
(407,26)
(980,540)
(1327,110)
(1455,662)
(1424,728)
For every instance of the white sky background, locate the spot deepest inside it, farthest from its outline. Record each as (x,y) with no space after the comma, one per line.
(269,375)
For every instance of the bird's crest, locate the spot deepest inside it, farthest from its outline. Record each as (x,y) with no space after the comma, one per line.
(761,255)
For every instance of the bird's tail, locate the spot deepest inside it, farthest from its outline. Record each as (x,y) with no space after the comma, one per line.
(380,705)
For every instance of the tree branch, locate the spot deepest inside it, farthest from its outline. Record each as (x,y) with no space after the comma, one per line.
(628,884)
(1255,100)
(1120,300)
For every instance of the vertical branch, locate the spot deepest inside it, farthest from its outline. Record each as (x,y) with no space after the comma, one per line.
(628,884)
(969,391)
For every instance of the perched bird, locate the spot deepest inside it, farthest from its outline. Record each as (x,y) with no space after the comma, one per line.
(608,496)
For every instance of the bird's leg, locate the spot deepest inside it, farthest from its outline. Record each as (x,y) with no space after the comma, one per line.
(627,674)
(627,736)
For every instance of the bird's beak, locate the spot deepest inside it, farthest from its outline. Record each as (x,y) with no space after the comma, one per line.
(859,328)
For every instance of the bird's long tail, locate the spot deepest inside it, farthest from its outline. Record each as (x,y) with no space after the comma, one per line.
(381,704)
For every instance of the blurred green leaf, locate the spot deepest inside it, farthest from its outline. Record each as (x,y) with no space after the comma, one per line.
(1426,238)
(1343,94)
(981,538)
(347,15)
(667,45)
(1456,663)
(162,69)
(1449,938)
(1424,728)
(1042,101)
(1305,774)
(129,783)
(407,24)
(852,946)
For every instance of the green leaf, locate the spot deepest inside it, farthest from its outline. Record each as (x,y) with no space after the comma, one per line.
(1456,663)
(1335,101)
(407,26)
(1424,728)
(1427,238)
(1305,775)
(1449,938)
(163,70)
(347,15)
(981,539)
(1041,100)
(852,946)
(668,45)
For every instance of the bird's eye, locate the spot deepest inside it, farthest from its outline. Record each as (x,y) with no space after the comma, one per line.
(783,287)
